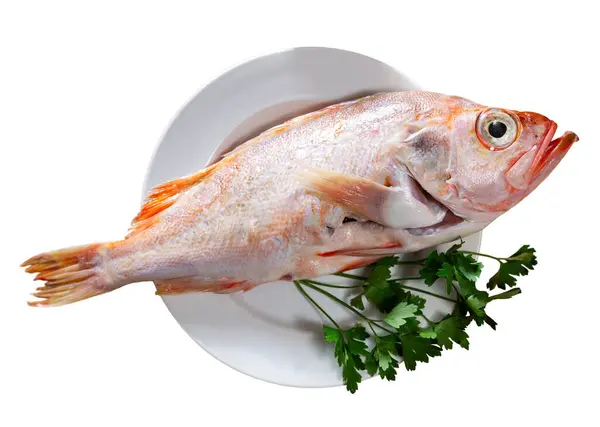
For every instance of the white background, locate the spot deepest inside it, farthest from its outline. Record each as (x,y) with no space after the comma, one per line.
(85,95)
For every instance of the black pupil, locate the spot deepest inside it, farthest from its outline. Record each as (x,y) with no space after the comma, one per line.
(497,129)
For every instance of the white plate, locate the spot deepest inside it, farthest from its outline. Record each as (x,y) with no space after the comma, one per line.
(270,333)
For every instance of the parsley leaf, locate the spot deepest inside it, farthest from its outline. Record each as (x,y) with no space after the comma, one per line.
(332,334)
(526,255)
(451,329)
(357,302)
(433,263)
(377,288)
(349,349)
(388,261)
(466,272)
(412,325)
(350,374)
(417,349)
(336,336)
(397,317)
(477,303)
(427,333)
(384,360)
(452,265)
(385,294)
(371,363)
(447,272)
(468,267)
(413,299)
(356,337)
(518,264)
(384,352)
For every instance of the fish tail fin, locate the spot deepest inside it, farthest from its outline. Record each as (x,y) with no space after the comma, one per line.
(70,275)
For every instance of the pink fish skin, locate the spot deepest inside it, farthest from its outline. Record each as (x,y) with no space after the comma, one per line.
(325,192)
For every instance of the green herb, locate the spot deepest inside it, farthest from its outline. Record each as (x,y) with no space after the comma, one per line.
(401,332)
(518,264)
(377,288)
(357,302)
(451,328)
(349,348)
(453,266)
(417,349)
(397,317)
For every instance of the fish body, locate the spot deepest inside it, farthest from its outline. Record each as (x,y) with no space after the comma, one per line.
(325,192)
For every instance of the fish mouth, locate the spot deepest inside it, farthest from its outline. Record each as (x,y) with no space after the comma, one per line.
(549,152)
(533,166)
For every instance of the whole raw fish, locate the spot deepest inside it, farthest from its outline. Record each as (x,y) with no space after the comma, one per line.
(325,192)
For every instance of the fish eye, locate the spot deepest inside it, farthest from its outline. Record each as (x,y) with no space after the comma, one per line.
(497,129)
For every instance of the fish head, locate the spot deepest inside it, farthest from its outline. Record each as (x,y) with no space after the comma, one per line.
(480,161)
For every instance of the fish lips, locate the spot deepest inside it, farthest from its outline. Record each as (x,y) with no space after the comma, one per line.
(536,164)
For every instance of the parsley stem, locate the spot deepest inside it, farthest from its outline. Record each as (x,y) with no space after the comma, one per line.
(427,320)
(327,285)
(364,279)
(506,294)
(401,279)
(339,301)
(459,297)
(423,291)
(458,294)
(373,330)
(484,255)
(351,276)
(308,297)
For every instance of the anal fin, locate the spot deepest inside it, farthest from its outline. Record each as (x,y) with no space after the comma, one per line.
(184,285)
(389,248)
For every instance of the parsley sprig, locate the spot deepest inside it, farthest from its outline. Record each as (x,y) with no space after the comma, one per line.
(401,332)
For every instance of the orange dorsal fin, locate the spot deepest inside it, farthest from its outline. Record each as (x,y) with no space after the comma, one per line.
(164,196)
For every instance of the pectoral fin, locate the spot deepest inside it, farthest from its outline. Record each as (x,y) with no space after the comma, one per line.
(395,206)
